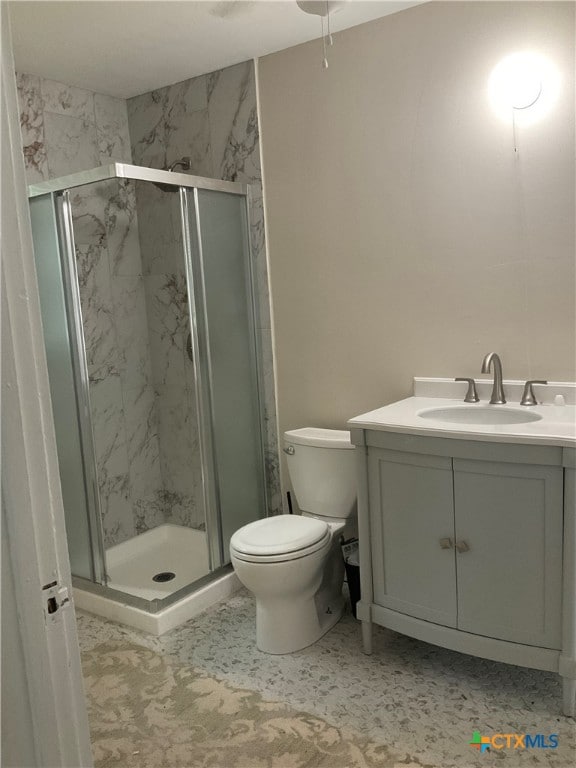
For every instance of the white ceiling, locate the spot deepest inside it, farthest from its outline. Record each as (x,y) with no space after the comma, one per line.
(127,47)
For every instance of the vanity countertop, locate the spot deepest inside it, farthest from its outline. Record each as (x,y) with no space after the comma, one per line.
(557,425)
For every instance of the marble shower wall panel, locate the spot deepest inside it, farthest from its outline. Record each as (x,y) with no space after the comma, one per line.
(109,428)
(181,468)
(104,357)
(67,129)
(179,443)
(61,99)
(31,106)
(70,144)
(143,453)
(233,116)
(213,120)
(160,231)
(171,123)
(168,327)
(122,230)
(146,120)
(118,518)
(191,127)
(89,211)
(130,316)
(112,131)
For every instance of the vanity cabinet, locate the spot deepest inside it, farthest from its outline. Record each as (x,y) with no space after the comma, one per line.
(467,545)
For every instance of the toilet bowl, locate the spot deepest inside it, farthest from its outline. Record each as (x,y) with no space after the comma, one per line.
(293,563)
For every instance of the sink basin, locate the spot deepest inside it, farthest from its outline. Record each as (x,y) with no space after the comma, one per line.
(481,414)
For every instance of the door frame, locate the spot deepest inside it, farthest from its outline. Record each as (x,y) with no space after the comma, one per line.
(32,500)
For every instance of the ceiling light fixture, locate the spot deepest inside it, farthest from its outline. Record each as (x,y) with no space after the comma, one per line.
(523,88)
(322,8)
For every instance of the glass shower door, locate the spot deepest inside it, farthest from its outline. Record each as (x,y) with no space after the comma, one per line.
(56,283)
(226,341)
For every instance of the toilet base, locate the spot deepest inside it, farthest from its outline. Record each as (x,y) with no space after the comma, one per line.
(285,625)
(282,628)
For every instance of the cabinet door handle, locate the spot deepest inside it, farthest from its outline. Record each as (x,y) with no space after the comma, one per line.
(446,543)
(462,546)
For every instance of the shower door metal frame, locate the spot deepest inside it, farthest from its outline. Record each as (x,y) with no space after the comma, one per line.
(135,173)
(63,210)
(252,293)
(201,361)
(198,329)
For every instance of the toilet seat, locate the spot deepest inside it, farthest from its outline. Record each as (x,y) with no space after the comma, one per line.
(280,538)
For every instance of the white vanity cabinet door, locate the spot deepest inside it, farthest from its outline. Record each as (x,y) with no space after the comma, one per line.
(510,578)
(412,533)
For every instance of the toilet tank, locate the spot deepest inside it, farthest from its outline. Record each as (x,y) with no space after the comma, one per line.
(322,469)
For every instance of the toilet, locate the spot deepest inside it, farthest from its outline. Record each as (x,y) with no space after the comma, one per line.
(293,563)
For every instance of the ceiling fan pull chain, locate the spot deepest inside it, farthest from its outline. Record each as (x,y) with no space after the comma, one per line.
(325,59)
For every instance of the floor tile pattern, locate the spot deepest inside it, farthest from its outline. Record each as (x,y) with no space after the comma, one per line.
(419,700)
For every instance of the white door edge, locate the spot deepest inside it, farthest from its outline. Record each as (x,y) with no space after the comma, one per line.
(31,493)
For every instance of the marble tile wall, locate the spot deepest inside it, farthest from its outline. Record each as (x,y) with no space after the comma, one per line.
(213,120)
(66,129)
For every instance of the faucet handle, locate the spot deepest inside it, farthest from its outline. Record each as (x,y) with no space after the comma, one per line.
(528,397)
(471,394)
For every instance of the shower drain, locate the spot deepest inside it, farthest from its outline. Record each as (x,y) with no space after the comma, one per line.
(164,576)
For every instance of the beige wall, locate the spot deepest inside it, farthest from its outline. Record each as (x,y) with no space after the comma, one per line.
(405,235)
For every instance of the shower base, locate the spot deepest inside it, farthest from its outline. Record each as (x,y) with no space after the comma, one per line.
(167,549)
(162,551)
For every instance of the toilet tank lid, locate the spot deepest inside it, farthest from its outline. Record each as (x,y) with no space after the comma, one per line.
(319,438)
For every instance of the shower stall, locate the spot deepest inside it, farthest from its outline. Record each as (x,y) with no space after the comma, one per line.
(149,310)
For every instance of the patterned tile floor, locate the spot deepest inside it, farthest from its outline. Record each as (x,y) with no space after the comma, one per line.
(422,701)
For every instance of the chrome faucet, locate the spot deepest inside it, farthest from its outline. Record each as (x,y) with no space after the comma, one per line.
(528,397)
(492,358)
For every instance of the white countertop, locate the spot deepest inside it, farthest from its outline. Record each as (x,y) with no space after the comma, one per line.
(557,426)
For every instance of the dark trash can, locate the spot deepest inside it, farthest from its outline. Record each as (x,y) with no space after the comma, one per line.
(352,566)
